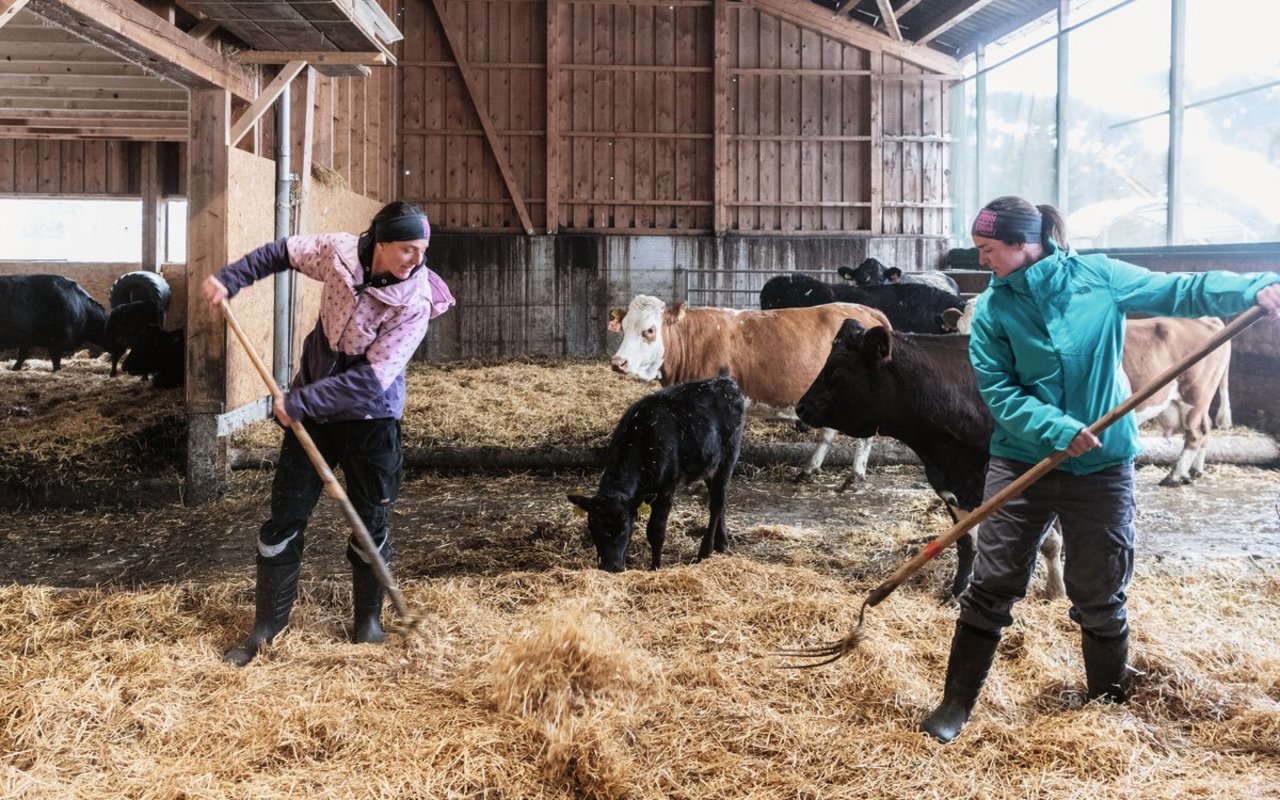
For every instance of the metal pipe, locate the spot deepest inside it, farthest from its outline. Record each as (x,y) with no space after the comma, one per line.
(283,329)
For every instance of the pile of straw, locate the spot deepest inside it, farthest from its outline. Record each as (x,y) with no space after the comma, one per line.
(77,424)
(570,684)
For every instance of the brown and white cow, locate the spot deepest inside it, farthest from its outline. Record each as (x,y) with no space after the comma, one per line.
(773,355)
(1150,347)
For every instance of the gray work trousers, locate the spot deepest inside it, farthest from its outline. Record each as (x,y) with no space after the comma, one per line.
(1097,514)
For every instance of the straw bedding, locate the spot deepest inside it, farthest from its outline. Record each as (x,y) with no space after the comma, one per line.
(535,676)
(575,683)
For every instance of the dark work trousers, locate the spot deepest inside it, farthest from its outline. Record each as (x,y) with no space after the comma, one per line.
(368,453)
(1097,514)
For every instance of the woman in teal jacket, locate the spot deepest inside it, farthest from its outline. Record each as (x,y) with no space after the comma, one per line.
(1046,344)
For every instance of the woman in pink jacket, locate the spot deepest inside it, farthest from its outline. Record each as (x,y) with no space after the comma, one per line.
(377,300)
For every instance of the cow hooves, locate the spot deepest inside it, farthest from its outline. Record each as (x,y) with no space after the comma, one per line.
(803,477)
(1175,482)
(854,481)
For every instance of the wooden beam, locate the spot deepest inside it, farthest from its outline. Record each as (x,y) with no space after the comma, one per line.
(553,116)
(313,57)
(133,33)
(203,29)
(813,17)
(890,19)
(208,221)
(263,101)
(876,121)
(149,184)
(308,135)
(720,119)
(495,146)
(966,10)
(132,134)
(9,9)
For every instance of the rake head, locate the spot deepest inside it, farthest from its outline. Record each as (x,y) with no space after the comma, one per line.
(827,652)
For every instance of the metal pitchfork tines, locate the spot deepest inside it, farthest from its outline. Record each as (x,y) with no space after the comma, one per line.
(832,651)
(407,621)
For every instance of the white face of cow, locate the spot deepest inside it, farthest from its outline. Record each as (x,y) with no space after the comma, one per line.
(641,352)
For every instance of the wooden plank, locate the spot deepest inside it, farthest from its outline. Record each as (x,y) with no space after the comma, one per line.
(315,58)
(308,140)
(264,100)
(554,103)
(876,127)
(746,119)
(6,166)
(149,181)
(491,137)
(133,33)
(912,184)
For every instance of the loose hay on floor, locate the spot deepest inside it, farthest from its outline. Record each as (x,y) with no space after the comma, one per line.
(569,683)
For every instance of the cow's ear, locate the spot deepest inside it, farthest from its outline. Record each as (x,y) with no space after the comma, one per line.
(846,273)
(679,311)
(582,502)
(877,346)
(892,274)
(616,315)
(950,319)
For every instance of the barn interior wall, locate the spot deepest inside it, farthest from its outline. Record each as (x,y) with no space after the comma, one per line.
(552,294)
(653,117)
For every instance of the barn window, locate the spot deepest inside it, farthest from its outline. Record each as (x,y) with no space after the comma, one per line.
(86,230)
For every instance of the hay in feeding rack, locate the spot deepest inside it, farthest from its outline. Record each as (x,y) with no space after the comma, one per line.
(565,684)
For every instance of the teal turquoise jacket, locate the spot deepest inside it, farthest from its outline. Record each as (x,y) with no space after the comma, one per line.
(1047,342)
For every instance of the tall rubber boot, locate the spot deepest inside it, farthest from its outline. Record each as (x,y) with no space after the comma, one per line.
(366,601)
(1106,665)
(277,589)
(972,652)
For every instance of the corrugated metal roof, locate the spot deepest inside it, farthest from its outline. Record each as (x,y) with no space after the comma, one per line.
(979,21)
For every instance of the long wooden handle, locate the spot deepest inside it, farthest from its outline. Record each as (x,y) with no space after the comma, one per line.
(332,486)
(1037,472)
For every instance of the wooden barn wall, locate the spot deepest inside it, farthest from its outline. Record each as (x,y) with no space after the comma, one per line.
(521,295)
(252,206)
(672,117)
(53,167)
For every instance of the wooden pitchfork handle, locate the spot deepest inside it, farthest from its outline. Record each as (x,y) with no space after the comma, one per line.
(335,490)
(1034,474)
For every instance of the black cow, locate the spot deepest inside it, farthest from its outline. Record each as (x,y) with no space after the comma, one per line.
(161,354)
(125,325)
(922,391)
(133,287)
(51,312)
(910,307)
(666,440)
(872,273)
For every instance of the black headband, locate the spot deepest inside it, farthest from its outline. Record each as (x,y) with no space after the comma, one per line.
(406,228)
(1007,226)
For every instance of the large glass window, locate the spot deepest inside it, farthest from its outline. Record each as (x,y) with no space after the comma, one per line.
(1117,137)
(93,230)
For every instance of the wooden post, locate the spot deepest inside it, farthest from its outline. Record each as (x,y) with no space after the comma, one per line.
(876,58)
(553,116)
(152,251)
(208,177)
(720,141)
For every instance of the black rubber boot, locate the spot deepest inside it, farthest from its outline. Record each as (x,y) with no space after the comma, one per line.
(277,589)
(1106,666)
(972,651)
(366,601)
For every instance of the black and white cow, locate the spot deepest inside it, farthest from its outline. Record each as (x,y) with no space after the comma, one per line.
(673,437)
(910,307)
(872,273)
(159,354)
(51,312)
(922,391)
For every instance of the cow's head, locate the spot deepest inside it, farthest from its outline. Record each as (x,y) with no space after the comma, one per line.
(869,273)
(849,389)
(641,353)
(610,522)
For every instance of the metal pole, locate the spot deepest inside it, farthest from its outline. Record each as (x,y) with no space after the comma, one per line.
(1177,62)
(283,329)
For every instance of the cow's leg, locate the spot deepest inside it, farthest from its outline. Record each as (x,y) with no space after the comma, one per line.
(861,455)
(819,455)
(716,537)
(1051,552)
(964,564)
(656,530)
(22,358)
(1190,462)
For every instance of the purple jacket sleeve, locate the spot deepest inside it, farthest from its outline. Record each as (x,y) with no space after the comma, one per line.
(255,265)
(333,395)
